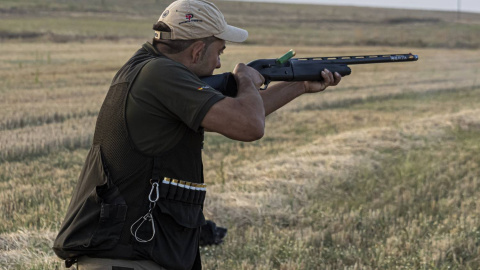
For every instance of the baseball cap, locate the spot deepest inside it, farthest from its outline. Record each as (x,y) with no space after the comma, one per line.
(193,19)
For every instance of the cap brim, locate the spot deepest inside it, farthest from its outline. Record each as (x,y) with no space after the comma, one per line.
(233,34)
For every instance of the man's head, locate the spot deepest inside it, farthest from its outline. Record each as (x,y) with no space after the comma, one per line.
(195,25)
(195,19)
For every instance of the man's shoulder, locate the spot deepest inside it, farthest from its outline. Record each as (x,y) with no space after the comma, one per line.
(164,71)
(165,66)
(165,62)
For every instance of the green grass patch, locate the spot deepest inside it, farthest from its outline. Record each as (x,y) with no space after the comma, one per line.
(35,192)
(394,214)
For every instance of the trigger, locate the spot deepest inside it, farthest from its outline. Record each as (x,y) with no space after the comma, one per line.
(265,85)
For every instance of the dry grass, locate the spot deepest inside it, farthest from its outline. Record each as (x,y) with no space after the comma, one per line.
(336,204)
(51,94)
(339,188)
(381,172)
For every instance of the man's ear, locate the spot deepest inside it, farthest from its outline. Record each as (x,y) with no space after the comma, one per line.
(196,52)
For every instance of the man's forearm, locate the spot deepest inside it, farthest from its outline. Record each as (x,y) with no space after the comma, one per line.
(277,95)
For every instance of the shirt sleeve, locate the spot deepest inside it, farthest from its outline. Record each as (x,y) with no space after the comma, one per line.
(169,89)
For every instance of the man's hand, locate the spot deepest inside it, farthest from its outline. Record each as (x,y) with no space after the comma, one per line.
(329,79)
(245,75)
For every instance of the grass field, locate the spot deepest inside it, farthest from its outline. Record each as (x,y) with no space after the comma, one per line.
(381,172)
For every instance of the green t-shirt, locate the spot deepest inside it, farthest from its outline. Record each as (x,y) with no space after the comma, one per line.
(165,100)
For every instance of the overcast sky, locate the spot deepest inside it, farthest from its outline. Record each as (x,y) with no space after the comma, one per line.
(451,5)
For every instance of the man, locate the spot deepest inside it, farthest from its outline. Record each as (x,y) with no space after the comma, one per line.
(138,202)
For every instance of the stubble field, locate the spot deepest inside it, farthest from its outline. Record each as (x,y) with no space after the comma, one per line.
(381,172)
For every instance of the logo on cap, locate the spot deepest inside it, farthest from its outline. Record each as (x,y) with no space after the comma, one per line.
(165,14)
(189,19)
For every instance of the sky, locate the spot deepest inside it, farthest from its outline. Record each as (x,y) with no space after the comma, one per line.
(447,5)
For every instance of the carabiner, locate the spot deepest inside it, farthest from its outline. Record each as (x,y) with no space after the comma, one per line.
(155,186)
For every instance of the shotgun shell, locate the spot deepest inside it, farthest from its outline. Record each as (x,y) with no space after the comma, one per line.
(285,57)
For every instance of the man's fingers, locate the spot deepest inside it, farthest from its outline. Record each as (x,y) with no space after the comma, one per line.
(326,77)
(338,78)
(329,78)
(333,79)
(243,71)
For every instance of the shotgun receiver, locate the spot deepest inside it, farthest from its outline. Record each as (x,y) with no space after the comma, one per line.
(287,68)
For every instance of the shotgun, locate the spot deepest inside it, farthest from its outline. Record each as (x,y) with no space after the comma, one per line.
(287,68)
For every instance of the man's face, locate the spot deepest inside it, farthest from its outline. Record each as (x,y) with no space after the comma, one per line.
(210,60)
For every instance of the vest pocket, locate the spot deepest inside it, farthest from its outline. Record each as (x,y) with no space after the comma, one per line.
(177,233)
(97,225)
(96,214)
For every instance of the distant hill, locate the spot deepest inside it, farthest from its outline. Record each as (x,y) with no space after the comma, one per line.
(280,24)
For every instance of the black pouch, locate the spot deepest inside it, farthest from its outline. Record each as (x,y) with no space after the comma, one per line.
(96,214)
(177,232)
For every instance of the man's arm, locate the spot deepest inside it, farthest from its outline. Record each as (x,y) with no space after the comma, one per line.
(277,95)
(241,118)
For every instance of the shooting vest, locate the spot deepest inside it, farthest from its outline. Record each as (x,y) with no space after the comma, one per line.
(118,186)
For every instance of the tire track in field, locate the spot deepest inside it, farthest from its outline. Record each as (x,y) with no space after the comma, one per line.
(22,108)
(45,119)
(20,143)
